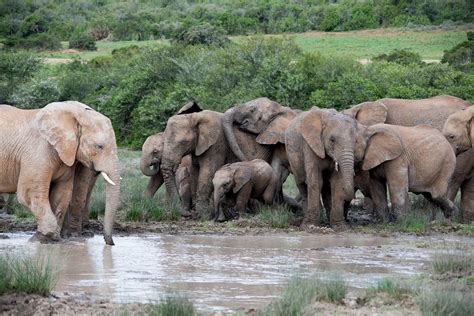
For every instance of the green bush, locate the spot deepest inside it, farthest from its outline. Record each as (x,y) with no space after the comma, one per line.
(460,56)
(82,40)
(401,56)
(41,41)
(205,34)
(36,93)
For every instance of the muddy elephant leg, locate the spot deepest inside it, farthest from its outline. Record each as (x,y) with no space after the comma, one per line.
(154,184)
(467,200)
(204,188)
(314,179)
(397,181)
(337,200)
(448,207)
(35,196)
(378,191)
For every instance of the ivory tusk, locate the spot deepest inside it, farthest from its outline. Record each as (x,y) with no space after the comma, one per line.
(106,177)
(336,166)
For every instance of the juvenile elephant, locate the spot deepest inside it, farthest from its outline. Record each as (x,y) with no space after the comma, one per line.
(320,144)
(39,152)
(459,131)
(237,183)
(150,165)
(409,159)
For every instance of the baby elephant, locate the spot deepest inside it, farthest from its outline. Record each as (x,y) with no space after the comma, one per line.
(150,162)
(236,183)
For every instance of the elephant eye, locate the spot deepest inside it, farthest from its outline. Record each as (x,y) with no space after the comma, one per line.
(100,147)
(332,139)
(451,136)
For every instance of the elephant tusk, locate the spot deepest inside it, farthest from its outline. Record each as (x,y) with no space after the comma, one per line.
(107,178)
(336,166)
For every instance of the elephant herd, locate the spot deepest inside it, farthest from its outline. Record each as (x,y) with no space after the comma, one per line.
(395,145)
(218,164)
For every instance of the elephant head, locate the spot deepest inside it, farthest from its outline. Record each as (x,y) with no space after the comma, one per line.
(368,113)
(152,151)
(187,134)
(228,179)
(459,130)
(78,133)
(262,117)
(332,134)
(381,144)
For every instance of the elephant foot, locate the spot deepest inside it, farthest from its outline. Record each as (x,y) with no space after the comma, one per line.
(185,213)
(49,238)
(108,240)
(340,226)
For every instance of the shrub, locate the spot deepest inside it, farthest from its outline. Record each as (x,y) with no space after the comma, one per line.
(41,41)
(202,34)
(450,299)
(401,56)
(172,305)
(460,56)
(395,288)
(453,263)
(82,40)
(36,93)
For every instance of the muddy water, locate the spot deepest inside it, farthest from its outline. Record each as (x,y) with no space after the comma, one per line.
(225,273)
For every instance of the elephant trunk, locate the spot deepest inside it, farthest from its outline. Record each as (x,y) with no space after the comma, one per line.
(347,169)
(111,204)
(168,169)
(228,127)
(145,167)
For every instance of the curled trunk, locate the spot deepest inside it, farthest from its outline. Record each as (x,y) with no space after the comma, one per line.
(227,125)
(145,165)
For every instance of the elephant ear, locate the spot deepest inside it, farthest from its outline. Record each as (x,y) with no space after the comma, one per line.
(241,177)
(311,128)
(382,145)
(190,107)
(60,129)
(368,113)
(275,131)
(209,129)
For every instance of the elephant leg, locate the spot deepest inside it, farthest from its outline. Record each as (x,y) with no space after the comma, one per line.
(378,191)
(314,179)
(204,188)
(154,184)
(185,194)
(60,197)
(448,207)
(326,195)
(242,198)
(467,200)
(397,181)
(337,200)
(35,196)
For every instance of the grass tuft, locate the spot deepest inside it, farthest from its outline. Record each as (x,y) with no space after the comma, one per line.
(26,274)
(452,299)
(174,305)
(275,216)
(300,292)
(453,263)
(395,288)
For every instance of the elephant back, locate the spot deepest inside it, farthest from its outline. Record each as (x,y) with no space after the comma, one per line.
(249,146)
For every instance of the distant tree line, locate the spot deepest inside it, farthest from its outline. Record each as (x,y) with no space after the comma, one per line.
(44,23)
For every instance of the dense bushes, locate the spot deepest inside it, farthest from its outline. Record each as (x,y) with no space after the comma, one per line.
(82,40)
(462,55)
(150,19)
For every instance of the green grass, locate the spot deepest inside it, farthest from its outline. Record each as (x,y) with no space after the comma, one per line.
(275,216)
(26,274)
(357,44)
(453,263)
(174,305)
(302,291)
(395,288)
(447,299)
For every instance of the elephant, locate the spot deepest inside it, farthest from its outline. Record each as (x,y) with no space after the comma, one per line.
(459,131)
(238,182)
(431,111)
(152,152)
(320,144)
(267,121)
(409,159)
(40,150)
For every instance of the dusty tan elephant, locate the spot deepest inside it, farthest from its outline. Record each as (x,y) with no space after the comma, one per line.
(236,183)
(40,149)
(320,144)
(459,131)
(150,165)
(407,159)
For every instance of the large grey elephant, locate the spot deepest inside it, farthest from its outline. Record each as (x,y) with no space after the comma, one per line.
(432,111)
(150,165)
(320,144)
(459,131)
(266,121)
(40,150)
(236,183)
(407,159)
